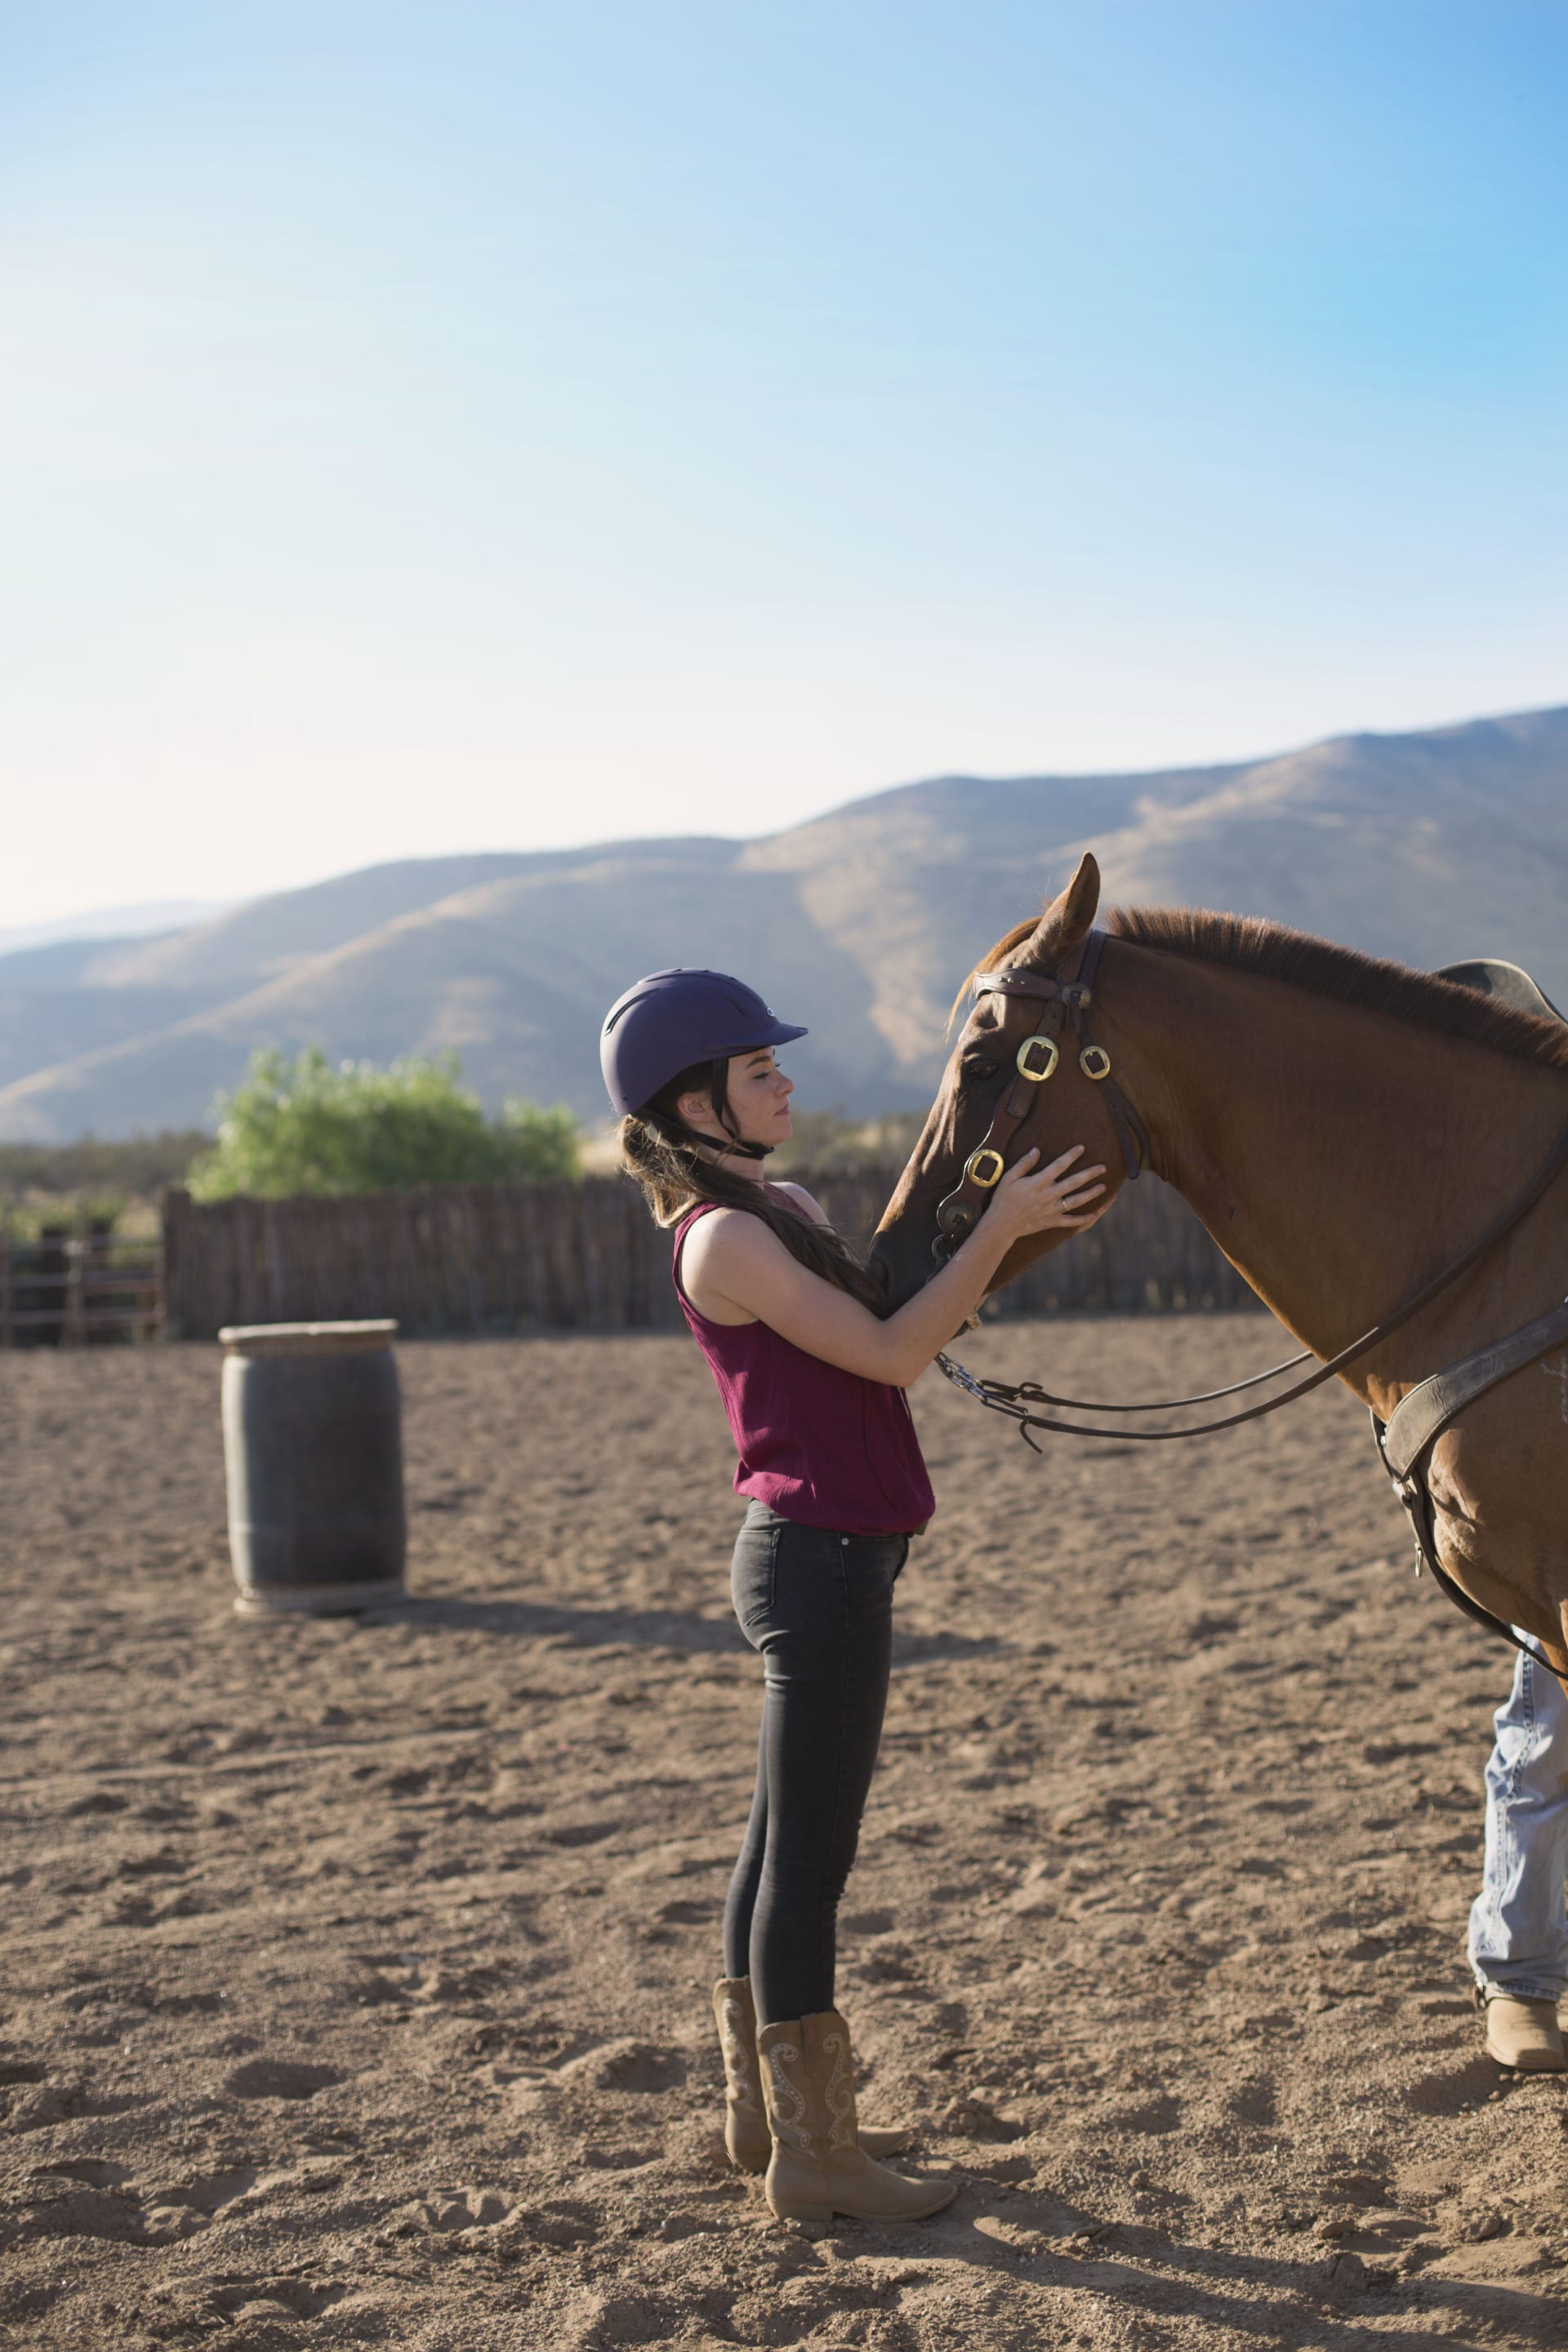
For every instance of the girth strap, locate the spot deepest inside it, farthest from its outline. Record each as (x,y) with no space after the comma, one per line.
(1419,1418)
(1417,1497)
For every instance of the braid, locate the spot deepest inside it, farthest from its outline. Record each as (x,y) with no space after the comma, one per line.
(669,1162)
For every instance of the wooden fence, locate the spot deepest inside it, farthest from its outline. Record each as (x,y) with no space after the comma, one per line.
(77,1284)
(586,1256)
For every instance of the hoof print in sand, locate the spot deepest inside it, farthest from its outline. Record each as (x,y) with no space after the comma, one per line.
(627,2319)
(557,2224)
(458,2208)
(631,2067)
(1453,2090)
(59,2103)
(205,2193)
(1151,2117)
(455,2211)
(103,2203)
(87,2214)
(1347,2276)
(630,2159)
(165,2225)
(973,2119)
(279,2078)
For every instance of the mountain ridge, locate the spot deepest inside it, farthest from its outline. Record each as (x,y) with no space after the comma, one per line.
(1427,846)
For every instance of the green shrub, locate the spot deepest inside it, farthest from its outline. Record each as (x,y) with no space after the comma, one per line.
(308,1127)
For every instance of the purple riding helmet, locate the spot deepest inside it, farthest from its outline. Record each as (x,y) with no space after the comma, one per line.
(671,1020)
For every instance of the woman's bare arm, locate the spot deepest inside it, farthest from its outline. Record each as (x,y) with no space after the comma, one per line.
(733,1262)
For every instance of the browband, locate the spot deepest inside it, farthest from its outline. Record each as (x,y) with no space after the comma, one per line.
(1031,983)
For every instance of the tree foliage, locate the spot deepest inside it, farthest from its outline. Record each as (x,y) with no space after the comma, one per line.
(94,1167)
(307,1126)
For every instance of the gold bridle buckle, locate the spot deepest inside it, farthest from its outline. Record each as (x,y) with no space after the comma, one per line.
(1095,1063)
(997,1167)
(1027,1047)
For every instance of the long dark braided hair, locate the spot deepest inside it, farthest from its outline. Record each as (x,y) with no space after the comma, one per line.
(676,1168)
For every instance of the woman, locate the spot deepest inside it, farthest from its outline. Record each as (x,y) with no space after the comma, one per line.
(812,1380)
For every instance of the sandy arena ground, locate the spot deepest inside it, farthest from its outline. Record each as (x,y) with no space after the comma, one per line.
(355,1976)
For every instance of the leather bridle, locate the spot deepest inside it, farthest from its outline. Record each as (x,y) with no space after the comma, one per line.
(1067,992)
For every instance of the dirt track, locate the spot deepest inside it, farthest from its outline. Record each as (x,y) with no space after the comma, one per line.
(355,1976)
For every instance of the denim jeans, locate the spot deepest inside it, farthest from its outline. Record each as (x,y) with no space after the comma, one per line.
(1518,1930)
(820,1607)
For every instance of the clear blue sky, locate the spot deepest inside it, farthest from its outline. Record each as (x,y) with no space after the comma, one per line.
(461,426)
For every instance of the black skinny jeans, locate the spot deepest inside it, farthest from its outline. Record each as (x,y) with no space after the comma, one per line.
(820,1607)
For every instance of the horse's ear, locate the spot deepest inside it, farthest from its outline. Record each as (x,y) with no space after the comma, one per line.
(1066,920)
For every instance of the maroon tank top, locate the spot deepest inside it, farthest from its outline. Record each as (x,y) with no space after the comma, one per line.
(816,1444)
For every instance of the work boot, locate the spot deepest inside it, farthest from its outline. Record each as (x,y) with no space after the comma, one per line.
(818,2167)
(1523,2034)
(746,2135)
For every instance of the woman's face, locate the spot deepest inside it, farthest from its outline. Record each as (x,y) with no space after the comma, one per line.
(759,1095)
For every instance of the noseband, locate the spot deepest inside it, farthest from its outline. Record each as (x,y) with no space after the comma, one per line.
(1068,992)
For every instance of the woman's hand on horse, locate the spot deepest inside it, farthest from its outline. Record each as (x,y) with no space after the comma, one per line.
(1031,1200)
(737,1271)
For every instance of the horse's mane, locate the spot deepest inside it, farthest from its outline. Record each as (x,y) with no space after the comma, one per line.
(1243,943)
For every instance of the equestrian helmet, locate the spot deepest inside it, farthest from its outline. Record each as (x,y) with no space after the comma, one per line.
(670,1020)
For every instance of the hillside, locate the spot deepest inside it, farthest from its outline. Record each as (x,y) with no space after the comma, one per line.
(1425,846)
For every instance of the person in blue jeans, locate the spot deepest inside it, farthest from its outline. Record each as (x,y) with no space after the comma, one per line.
(1518,1922)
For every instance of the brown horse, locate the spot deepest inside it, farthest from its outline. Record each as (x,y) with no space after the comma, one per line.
(1343,1128)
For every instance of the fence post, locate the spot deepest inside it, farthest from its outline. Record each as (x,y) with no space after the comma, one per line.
(73,1319)
(174,1215)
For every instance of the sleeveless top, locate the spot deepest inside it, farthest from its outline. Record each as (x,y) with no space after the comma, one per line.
(816,1443)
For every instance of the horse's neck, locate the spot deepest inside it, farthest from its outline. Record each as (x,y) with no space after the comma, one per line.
(1339,1156)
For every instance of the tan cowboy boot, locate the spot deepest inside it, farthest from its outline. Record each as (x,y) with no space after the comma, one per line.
(746,2134)
(1523,2034)
(818,2167)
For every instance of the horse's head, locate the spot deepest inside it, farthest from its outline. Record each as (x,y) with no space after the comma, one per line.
(986,1067)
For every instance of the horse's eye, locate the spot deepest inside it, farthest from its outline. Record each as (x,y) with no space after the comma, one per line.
(976,1071)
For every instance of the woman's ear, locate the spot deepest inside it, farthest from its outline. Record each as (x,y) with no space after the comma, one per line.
(695,1107)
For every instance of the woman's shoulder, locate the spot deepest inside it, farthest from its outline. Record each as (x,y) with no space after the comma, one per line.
(721,1251)
(718,1229)
(797,1197)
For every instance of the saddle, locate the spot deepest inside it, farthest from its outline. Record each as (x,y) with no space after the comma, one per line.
(1509,982)
(1405,1440)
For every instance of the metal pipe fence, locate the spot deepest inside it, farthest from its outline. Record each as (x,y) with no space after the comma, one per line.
(75,1283)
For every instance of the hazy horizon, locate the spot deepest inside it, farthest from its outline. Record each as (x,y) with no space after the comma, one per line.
(146,916)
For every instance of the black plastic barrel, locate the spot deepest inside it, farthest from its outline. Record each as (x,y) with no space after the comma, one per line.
(313,1443)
